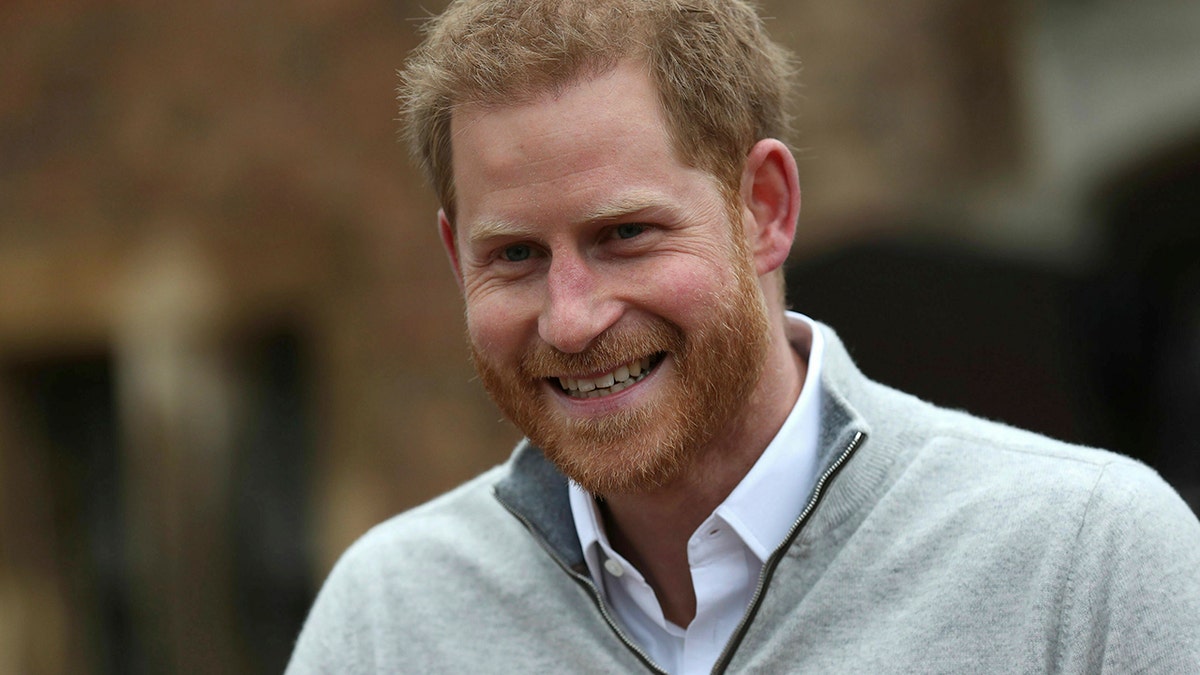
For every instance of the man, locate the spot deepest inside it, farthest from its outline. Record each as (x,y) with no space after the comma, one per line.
(709,484)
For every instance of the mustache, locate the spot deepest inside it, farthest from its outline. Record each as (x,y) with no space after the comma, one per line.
(611,349)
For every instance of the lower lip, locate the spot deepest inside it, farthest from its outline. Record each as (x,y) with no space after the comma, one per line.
(607,404)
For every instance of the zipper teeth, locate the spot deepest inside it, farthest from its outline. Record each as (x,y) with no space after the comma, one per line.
(769,570)
(586,582)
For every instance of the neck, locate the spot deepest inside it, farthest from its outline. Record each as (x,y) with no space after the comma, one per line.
(651,529)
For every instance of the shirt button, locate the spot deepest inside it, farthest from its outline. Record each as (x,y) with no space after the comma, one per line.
(614,568)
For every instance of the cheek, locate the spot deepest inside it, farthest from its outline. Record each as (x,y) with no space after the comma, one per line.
(497,326)
(686,288)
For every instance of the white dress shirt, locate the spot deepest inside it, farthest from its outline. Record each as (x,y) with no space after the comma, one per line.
(726,553)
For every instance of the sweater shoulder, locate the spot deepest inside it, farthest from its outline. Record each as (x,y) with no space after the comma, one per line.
(1021,446)
(1004,449)
(1025,471)
(427,534)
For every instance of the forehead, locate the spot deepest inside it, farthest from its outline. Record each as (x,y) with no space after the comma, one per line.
(596,138)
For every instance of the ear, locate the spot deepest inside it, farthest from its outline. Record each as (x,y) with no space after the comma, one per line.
(771,194)
(450,243)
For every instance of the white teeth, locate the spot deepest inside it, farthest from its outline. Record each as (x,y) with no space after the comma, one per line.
(608,383)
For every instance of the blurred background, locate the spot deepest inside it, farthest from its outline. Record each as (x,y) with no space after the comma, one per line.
(229,342)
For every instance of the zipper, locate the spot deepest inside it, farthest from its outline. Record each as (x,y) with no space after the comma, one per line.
(587,584)
(772,563)
(764,579)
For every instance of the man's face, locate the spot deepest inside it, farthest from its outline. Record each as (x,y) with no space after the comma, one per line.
(612,308)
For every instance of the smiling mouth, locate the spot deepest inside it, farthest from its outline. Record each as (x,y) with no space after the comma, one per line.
(611,382)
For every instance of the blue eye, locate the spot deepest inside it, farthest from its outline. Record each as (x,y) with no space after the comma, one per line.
(629,230)
(517,253)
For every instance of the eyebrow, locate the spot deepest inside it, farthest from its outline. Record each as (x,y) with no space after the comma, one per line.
(635,201)
(622,206)
(495,229)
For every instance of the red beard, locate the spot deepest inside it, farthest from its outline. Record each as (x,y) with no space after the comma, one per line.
(640,447)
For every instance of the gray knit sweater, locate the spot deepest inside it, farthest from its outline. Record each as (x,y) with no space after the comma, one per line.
(935,542)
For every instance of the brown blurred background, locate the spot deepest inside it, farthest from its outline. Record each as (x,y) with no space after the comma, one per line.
(229,342)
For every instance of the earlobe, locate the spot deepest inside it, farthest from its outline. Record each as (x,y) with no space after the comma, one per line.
(446,230)
(771,193)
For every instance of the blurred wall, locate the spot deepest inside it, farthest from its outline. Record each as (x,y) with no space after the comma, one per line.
(229,342)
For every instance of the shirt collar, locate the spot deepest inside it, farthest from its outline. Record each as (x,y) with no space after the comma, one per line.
(769,499)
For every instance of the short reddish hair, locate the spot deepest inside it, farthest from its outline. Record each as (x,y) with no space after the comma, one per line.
(722,82)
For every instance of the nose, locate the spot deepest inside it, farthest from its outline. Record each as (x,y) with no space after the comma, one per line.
(578,307)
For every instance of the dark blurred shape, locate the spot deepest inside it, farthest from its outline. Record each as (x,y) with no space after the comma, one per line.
(80,535)
(1140,314)
(69,404)
(272,566)
(958,328)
